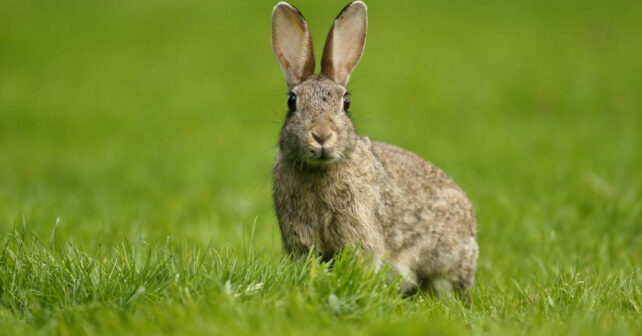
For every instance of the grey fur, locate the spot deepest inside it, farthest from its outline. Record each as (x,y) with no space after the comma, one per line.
(348,190)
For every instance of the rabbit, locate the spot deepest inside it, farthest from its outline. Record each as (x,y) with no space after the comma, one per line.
(333,187)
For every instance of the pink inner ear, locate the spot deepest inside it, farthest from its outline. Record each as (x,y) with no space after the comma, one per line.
(344,54)
(290,45)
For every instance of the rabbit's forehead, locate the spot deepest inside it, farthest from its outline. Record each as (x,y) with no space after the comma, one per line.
(321,90)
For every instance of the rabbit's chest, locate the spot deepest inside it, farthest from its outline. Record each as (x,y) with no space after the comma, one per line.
(319,205)
(331,215)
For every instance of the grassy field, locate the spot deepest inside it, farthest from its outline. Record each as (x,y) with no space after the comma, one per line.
(136,143)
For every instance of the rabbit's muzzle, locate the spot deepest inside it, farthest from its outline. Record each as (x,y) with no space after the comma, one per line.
(321,142)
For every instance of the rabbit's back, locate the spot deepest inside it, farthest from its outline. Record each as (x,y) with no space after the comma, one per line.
(412,186)
(426,219)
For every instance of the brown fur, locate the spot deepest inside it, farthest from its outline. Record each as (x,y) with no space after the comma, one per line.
(397,207)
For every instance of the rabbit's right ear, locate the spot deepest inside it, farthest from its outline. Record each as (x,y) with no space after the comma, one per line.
(292,43)
(345,42)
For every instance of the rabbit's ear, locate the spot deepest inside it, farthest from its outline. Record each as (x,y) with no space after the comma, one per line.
(345,42)
(292,43)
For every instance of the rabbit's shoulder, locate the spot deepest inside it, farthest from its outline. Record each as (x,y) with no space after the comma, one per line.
(409,171)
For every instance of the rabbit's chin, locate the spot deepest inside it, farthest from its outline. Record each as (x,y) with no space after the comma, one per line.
(318,158)
(320,162)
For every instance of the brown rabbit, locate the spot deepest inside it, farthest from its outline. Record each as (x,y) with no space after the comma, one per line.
(334,187)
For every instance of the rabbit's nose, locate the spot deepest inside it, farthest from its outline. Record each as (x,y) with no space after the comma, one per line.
(322,136)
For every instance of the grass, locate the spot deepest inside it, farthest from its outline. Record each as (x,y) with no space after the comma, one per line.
(136,141)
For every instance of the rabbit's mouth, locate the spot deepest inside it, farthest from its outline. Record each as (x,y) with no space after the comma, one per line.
(322,156)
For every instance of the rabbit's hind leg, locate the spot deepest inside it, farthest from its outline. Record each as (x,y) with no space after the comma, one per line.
(437,286)
(441,287)
(408,283)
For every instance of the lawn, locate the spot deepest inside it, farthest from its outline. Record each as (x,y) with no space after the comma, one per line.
(137,138)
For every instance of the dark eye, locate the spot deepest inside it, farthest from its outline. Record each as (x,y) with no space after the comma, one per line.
(292,102)
(346,103)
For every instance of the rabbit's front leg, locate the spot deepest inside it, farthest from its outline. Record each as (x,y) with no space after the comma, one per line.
(298,238)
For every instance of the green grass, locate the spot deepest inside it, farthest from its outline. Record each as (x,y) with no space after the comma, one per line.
(136,142)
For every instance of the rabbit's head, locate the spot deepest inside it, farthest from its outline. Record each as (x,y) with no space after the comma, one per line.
(318,130)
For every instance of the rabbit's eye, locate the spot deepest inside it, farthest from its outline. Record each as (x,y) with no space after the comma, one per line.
(292,102)
(346,103)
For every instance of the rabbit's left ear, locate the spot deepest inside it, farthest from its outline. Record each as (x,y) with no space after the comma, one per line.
(345,42)
(292,43)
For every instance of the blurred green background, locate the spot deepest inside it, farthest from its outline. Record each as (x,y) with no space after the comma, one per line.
(161,118)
